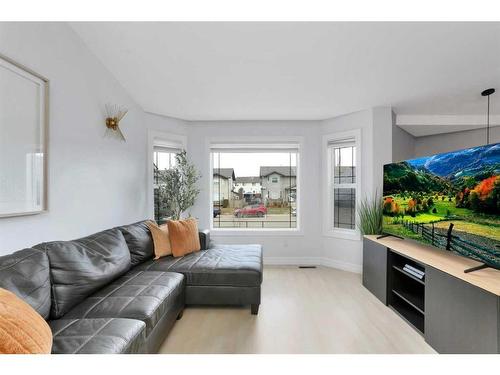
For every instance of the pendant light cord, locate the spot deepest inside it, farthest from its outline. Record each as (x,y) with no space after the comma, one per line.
(488,124)
(487,93)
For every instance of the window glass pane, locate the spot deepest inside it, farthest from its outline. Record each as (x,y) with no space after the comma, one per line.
(164,160)
(344,208)
(344,165)
(254,189)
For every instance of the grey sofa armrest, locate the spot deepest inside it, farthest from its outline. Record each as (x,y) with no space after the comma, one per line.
(204,239)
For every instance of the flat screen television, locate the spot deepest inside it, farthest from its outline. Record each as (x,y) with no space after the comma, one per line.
(450,201)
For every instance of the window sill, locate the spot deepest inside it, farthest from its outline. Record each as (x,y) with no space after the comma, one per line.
(217,232)
(344,235)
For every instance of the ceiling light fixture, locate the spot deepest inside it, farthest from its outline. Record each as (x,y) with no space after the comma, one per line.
(487,93)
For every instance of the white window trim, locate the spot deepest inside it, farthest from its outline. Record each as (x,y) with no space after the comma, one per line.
(328,229)
(251,141)
(168,140)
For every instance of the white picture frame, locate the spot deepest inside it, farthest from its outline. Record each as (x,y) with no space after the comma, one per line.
(24,103)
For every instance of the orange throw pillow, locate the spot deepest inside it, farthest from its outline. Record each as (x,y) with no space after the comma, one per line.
(22,329)
(184,237)
(161,239)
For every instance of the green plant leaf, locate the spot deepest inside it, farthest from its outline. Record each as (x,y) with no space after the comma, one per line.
(370,212)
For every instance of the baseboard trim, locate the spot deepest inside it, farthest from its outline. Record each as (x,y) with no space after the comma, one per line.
(292,261)
(312,261)
(345,266)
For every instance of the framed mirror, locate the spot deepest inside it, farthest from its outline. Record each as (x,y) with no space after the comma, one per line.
(23,140)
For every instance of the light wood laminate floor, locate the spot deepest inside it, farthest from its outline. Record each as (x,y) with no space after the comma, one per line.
(320,310)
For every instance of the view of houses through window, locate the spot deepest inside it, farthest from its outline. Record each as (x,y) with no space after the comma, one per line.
(254,189)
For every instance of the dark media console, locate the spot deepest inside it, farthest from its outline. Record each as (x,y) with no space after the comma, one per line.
(456,312)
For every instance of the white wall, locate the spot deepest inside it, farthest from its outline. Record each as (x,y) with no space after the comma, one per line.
(376,129)
(168,125)
(434,144)
(382,120)
(403,143)
(94,182)
(302,248)
(311,246)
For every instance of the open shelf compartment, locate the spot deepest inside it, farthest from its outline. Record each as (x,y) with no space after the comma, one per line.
(406,293)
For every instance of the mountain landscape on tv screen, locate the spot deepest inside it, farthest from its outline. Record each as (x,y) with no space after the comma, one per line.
(449,200)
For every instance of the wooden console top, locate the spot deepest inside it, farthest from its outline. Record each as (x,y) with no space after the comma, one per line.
(487,279)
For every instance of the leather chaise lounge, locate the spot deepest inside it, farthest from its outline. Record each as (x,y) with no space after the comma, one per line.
(105,294)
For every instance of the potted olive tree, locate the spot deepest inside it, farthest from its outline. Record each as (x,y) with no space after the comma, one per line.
(177,188)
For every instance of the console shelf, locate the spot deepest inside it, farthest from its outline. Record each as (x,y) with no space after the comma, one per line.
(455,312)
(407,296)
(408,275)
(408,313)
(415,301)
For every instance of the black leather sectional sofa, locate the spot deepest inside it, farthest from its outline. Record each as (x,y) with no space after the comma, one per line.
(105,294)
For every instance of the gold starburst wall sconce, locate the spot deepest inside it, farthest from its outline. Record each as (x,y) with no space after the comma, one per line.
(114,115)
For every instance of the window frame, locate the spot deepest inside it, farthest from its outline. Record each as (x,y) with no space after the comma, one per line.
(352,138)
(247,144)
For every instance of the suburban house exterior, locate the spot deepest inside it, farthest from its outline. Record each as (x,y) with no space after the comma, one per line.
(248,188)
(275,185)
(279,184)
(223,188)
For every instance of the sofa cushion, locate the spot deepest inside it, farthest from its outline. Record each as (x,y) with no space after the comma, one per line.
(26,274)
(80,267)
(184,237)
(223,265)
(22,329)
(142,295)
(97,336)
(139,241)
(161,240)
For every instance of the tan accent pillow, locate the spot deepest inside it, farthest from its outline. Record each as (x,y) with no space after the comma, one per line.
(161,240)
(184,237)
(22,329)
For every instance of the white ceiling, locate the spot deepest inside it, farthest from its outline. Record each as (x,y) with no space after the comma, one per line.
(251,71)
